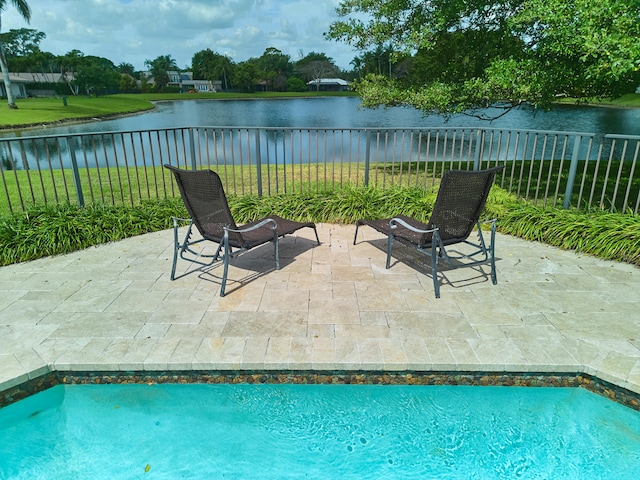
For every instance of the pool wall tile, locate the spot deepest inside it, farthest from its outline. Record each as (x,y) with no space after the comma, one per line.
(596,385)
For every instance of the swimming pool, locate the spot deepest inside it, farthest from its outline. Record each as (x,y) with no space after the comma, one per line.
(317,431)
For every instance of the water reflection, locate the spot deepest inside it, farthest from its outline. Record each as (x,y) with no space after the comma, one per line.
(345,112)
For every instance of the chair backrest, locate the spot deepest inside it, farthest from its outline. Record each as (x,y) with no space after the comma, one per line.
(206,202)
(460,202)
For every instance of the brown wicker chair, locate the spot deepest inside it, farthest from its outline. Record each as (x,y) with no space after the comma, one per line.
(460,202)
(206,203)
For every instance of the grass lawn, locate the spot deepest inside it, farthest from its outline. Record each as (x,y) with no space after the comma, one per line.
(631,100)
(39,111)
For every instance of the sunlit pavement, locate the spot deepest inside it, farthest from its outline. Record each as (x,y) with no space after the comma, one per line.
(329,307)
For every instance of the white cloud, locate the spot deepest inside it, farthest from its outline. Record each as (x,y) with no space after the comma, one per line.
(135,30)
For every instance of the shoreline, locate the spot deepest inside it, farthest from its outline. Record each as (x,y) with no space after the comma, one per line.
(73,121)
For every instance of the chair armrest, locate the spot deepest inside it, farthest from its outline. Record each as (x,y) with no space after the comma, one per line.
(177,220)
(493,220)
(394,222)
(266,221)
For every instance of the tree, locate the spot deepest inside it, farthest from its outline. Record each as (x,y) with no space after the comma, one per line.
(126,68)
(315,66)
(276,68)
(127,83)
(209,65)
(25,12)
(96,75)
(159,68)
(466,55)
(246,75)
(36,62)
(21,42)
(69,65)
(294,84)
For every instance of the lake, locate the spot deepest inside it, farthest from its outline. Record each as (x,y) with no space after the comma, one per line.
(346,112)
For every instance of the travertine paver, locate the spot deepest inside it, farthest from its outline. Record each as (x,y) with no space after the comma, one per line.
(333,306)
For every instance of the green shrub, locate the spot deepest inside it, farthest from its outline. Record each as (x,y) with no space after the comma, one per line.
(53,230)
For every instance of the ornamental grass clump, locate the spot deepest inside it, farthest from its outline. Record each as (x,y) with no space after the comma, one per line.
(53,230)
(56,229)
(611,236)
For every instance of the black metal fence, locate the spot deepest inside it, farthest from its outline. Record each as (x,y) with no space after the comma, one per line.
(571,169)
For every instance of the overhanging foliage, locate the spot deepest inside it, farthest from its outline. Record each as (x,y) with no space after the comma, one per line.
(464,55)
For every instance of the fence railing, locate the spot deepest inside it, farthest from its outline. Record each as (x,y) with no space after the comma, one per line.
(571,169)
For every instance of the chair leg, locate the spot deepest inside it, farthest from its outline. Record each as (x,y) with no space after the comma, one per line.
(225,261)
(356,235)
(176,247)
(434,266)
(315,230)
(389,247)
(276,251)
(179,248)
(492,255)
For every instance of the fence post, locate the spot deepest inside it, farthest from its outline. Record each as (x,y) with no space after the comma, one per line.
(258,161)
(192,149)
(367,158)
(74,168)
(573,168)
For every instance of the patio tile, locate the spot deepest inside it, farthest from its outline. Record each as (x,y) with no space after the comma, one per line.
(269,324)
(254,356)
(12,372)
(416,325)
(440,353)
(371,357)
(301,353)
(277,354)
(330,307)
(285,301)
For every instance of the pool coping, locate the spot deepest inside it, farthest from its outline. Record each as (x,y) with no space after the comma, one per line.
(589,382)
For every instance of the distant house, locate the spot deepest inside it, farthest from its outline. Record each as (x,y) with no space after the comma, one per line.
(20,80)
(328,85)
(18,86)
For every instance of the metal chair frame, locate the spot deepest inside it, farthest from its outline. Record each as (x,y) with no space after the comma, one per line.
(226,245)
(429,240)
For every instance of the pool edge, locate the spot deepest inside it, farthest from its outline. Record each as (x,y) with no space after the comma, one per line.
(589,382)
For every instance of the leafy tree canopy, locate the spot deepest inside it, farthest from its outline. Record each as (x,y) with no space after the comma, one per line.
(465,55)
(315,66)
(124,67)
(21,42)
(159,68)
(209,65)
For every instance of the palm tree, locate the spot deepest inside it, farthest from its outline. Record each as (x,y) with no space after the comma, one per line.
(25,11)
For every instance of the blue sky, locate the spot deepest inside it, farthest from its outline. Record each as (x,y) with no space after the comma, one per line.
(135,30)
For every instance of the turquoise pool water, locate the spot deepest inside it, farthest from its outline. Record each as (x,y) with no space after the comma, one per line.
(317,431)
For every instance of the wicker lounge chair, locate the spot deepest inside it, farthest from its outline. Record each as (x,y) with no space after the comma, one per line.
(461,199)
(206,203)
